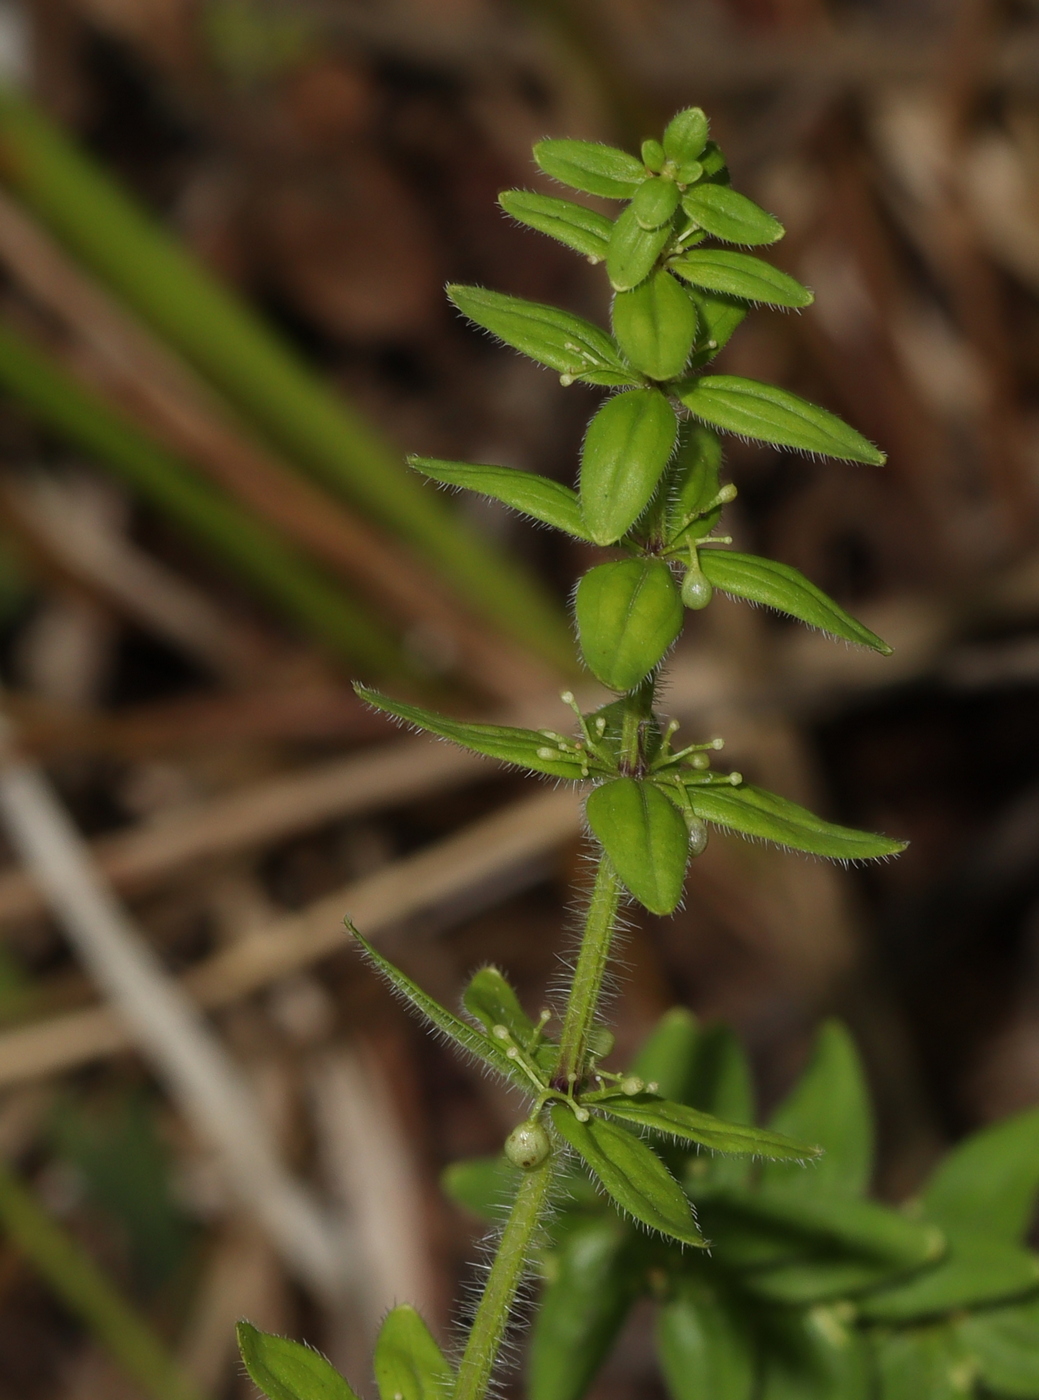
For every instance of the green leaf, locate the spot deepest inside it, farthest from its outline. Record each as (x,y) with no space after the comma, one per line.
(631,1173)
(730,216)
(408,1363)
(680,1121)
(526,748)
(668,1056)
(814,1355)
(740,275)
(286,1370)
(645,837)
(655,325)
(537,496)
(581,1311)
(992,1176)
(490,1000)
(485,1186)
(633,250)
(721,1082)
(784,588)
(1004,1345)
(754,812)
(591,167)
(655,202)
(712,161)
(626,449)
(923,1364)
(718,317)
(685,135)
(829,1105)
(579,228)
(762,411)
(706,1347)
(628,615)
(976,1270)
(466,1037)
(572,346)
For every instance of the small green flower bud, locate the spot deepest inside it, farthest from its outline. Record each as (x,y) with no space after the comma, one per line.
(632,1084)
(527,1145)
(697,590)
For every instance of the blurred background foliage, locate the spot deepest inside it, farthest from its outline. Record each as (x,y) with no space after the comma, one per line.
(225,226)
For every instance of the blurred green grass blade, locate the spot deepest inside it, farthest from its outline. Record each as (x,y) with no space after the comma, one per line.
(85,1290)
(258,371)
(256,552)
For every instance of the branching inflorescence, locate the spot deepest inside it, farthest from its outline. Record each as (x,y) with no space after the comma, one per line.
(649,492)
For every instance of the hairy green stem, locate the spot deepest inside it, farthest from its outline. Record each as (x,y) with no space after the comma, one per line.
(591,968)
(492,1316)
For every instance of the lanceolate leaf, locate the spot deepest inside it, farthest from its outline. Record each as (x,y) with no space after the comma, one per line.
(991,1179)
(784,588)
(762,411)
(645,837)
(706,1347)
(829,1105)
(492,1002)
(631,1173)
(568,344)
(977,1270)
(685,135)
(695,478)
(633,250)
(655,325)
(719,317)
(465,1036)
(740,275)
(755,812)
(582,1310)
(628,614)
(524,747)
(593,168)
(538,496)
(626,449)
(730,216)
(678,1120)
(579,228)
(286,1370)
(722,1082)
(408,1363)
(1002,1343)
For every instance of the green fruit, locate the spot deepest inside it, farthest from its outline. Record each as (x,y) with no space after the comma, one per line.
(528,1145)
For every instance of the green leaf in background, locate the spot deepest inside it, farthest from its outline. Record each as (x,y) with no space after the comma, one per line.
(631,1173)
(705,1345)
(527,748)
(754,812)
(718,318)
(591,167)
(691,1125)
(768,414)
(287,1370)
(667,1056)
(977,1270)
(654,203)
(926,1363)
(685,135)
(485,1186)
(633,250)
(408,1363)
(655,325)
(471,1041)
(814,1355)
(740,275)
(990,1180)
(694,473)
(491,1001)
(829,1105)
(628,445)
(721,1082)
(1003,1343)
(730,216)
(784,588)
(537,496)
(568,344)
(579,228)
(645,837)
(628,614)
(581,1311)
